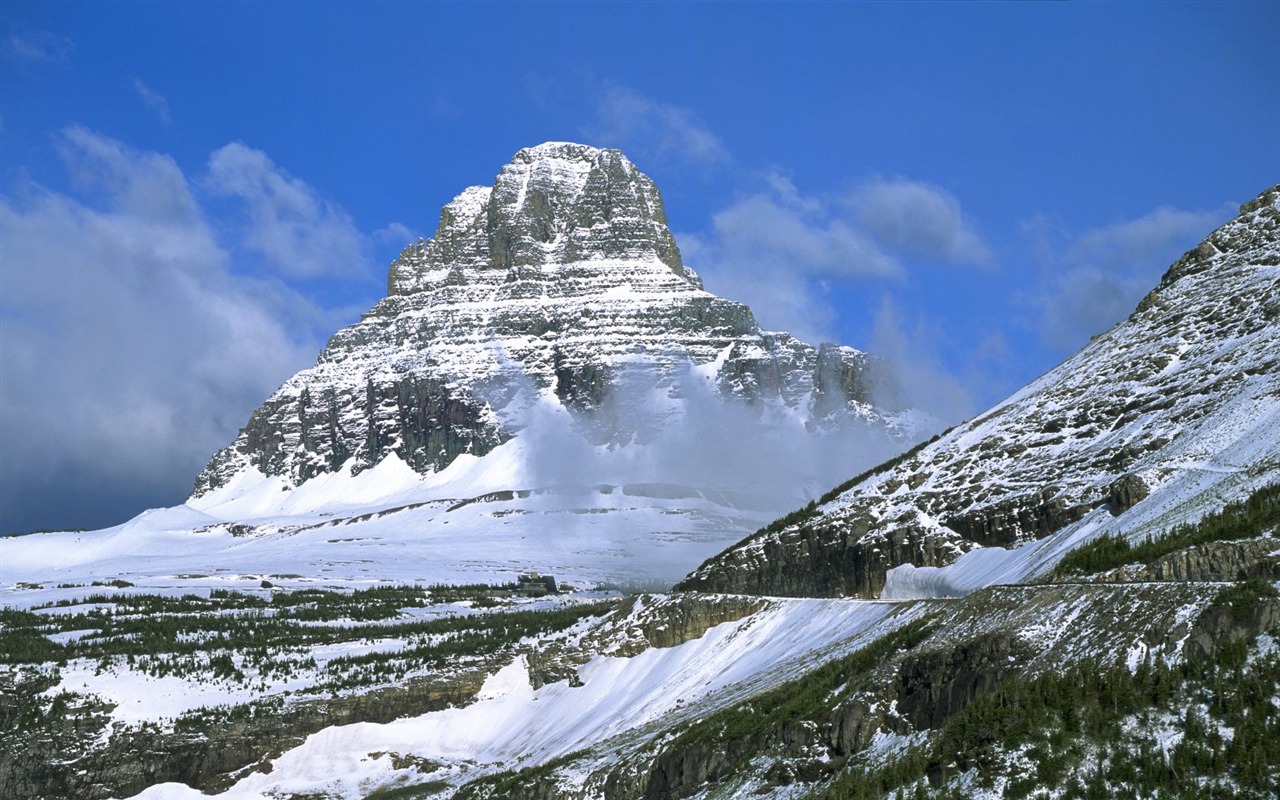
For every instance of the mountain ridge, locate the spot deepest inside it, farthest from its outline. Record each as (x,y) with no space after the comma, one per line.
(986,674)
(561,280)
(1089,437)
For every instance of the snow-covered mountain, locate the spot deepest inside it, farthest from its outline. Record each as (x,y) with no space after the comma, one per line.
(561,282)
(1173,412)
(220,649)
(546,386)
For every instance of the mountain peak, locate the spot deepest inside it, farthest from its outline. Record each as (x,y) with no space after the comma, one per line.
(567,151)
(553,204)
(560,280)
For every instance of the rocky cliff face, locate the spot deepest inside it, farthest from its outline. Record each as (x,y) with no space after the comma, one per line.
(1178,402)
(561,279)
(1216,561)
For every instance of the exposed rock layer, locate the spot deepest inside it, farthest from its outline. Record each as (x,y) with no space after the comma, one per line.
(1216,561)
(561,278)
(210,759)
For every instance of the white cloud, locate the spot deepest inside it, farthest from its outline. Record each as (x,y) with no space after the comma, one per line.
(773,251)
(1154,235)
(147,188)
(395,233)
(152,100)
(1100,275)
(780,462)
(780,250)
(649,129)
(300,234)
(918,219)
(765,232)
(36,47)
(130,350)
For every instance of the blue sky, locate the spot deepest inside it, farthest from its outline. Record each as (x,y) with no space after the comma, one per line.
(194,196)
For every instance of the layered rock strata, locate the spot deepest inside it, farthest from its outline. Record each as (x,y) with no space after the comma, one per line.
(561,278)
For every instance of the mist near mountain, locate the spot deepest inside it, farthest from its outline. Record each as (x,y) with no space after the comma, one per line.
(753,456)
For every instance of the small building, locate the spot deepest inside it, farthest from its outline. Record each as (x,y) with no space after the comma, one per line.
(535,585)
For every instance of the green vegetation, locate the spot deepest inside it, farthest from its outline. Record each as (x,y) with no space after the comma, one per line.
(413,791)
(805,699)
(1242,598)
(1088,731)
(21,639)
(1254,516)
(116,583)
(242,638)
(502,784)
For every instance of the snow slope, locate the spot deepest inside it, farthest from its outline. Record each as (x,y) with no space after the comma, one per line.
(513,725)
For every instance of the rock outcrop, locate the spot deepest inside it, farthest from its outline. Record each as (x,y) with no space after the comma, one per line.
(1215,561)
(932,686)
(210,758)
(1227,623)
(563,279)
(639,623)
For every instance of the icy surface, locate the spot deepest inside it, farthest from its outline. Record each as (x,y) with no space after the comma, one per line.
(479,520)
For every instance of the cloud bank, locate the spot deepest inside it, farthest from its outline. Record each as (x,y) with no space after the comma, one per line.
(683,432)
(920,220)
(299,233)
(777,249)
(131,348)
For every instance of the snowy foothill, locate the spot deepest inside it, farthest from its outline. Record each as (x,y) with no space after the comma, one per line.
(475,522)
(1170,415)
(511,725)
(1186,498)
(137,696)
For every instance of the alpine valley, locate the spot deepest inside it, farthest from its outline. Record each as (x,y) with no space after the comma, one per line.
(553,521)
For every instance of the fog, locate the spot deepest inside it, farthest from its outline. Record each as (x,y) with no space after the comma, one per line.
(680,431)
